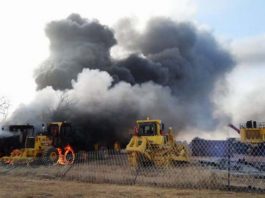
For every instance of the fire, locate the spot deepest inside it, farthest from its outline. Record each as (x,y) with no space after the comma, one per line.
(14,153)
(66,158)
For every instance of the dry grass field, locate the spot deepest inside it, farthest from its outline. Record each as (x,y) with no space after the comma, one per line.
(186,176)
(113,177)
(27,187)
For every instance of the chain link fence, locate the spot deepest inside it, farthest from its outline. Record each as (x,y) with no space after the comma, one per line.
(212,165)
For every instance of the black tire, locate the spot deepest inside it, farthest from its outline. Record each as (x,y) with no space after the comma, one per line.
(50,156)
(69,157)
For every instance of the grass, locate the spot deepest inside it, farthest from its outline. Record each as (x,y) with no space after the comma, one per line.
(115,170)
(113,177)
(27,187)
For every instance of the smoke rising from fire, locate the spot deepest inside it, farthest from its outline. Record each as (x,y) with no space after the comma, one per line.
(170,74)
(75,43)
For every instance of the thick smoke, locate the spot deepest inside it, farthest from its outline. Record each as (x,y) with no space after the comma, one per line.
(75,43)
(4,133)
(170,74)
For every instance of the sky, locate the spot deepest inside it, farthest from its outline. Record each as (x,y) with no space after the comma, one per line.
(239,25)
(234,19)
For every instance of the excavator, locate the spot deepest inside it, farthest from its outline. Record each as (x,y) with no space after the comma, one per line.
(252,133)
(50,146)
(151,145)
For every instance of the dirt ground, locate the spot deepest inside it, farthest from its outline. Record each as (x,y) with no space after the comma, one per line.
(34,187)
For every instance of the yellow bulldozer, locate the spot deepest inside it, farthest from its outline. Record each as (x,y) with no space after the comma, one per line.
(48,146)
(150,144)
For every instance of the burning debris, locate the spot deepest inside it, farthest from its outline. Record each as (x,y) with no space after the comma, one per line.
(170,73)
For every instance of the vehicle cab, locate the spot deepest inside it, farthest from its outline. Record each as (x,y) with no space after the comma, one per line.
(152,130)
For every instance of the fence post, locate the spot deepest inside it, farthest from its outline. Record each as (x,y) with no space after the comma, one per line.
(229,164)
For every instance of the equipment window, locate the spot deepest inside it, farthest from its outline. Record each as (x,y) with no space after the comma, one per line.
(66,130)
(54,130)
(30,142)
(147,129)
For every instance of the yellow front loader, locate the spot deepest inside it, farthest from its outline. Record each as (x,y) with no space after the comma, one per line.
(150,144)
(39,147)
(48,147)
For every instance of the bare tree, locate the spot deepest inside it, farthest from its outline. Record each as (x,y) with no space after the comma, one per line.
(65,103)
(63,107)
(59,112)
(4,107)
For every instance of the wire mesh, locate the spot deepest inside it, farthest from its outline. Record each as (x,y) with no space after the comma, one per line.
(212,165)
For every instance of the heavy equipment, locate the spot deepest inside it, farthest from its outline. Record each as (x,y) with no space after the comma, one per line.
(150,144)
(116,147)
(50,146)
(252,133)
(15,139)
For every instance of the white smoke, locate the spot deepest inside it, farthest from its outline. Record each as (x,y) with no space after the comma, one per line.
(93,93)
(5,133)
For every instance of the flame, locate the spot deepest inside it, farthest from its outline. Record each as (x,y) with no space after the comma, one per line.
(61,158)
(66,158)
(14,153)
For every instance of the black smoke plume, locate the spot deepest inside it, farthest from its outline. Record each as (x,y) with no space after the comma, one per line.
(75,44)
(170,74)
